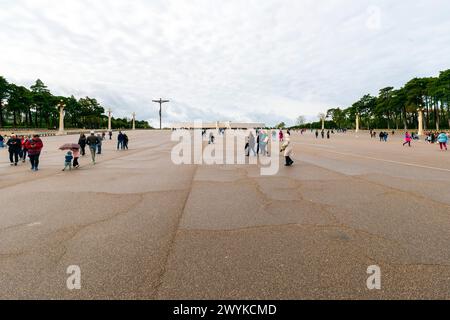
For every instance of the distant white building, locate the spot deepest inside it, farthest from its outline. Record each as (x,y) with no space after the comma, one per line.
(217,125)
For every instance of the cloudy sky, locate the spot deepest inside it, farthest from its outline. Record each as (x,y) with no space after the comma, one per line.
(258,60)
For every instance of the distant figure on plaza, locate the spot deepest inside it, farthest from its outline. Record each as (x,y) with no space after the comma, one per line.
(103,135)
(34,148)
(120,141)
(100,143)
(82,142)
(408,139)
(15,146)
(323,134)
(263,142)
(68,161)
(125,141)
(2,141)
(211,138)
(328,134)
(110,135)
(92,141)
(317,134)
(443,140)
(251,144)
(281,136)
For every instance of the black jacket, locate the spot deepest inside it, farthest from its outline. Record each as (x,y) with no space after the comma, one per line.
(92,140)
(14,144)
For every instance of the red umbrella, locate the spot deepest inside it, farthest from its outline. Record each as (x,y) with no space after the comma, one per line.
(70,146)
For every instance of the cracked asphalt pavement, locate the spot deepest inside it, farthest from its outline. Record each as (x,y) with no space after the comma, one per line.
(140,227)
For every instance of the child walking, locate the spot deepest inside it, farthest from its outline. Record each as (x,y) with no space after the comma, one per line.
(68,161)
(76,156)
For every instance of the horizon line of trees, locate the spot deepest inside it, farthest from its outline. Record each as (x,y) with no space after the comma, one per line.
(395,108)
(37,107)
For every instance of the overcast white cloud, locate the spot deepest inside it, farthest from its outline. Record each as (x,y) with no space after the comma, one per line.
(258,60)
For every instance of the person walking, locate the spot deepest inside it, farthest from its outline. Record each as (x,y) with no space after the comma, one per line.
(110,135)
(408,139)
(100,143)
(92,141)
(2,142)
(443,140)
(24,148)
(317,134)
(120,141)
(82,143)
(14,147)
(281,136)
(251,144)
(287,148)
(76,156)
(68,161)
(34,147)
(125,141)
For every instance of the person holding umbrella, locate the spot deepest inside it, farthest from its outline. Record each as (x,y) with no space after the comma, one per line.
(75,150)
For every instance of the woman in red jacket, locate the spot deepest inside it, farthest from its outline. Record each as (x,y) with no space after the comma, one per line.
(34,147)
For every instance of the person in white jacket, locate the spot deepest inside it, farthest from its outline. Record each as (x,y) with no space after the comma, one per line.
(288,151)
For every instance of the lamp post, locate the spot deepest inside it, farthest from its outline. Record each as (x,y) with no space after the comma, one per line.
(357,122)
(420,111)
(161,102)
(61,106)
(109,120)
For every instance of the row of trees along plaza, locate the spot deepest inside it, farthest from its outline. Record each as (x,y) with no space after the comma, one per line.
(426,98)
(37,107)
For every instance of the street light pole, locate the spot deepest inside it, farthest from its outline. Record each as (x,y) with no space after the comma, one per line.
(161,102)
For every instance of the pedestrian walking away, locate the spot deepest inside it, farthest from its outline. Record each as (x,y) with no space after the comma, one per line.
(100,143)
(92,141)
(82,143)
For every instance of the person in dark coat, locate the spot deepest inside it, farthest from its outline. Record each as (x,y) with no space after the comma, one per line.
(15,146)
(120,139)
(82,143)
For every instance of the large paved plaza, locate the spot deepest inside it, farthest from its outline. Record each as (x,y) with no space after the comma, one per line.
(141,227)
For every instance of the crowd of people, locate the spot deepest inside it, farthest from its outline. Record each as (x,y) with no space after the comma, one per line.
(19,147)
(22,146)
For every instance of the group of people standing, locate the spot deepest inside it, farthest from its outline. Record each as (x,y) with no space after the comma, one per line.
(95,142)
(322,133)
(259,144)
(19,147)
